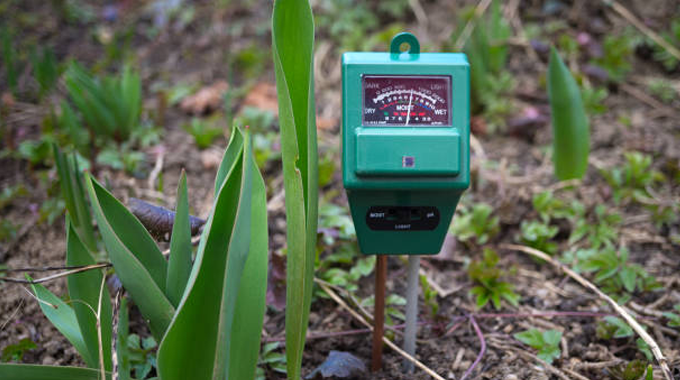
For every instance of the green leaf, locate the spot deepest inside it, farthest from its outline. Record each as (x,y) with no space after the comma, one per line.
(549,353)
(622,328)
(62,317)
(139,264)
(210,314)
(45,372)
(571,139)
(122,341)
(71,183)
(552,337)
(532,337)
(293,45)
(84,289)
(179,266)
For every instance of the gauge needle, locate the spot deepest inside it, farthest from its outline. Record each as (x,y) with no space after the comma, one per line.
(408,109)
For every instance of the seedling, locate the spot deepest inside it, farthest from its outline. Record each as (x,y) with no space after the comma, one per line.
(672,36)
(45,69)
(546,342)
(603,231)
(632,179)
(538,235)
(269,357)
(490,287)
(614,273)
(548,207)
(111,106)
(634,370)
(430,296)
(618,51)
(15,352)
(673,318)
(203,132)
(476,224)
(613,327)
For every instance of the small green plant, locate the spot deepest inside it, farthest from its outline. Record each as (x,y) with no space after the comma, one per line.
(348,279)
(571,136)
(123,157)
(672,36)
(616,57)
(203,132)
(593,99)
(549,207)
(111,106)
(393,305)
(45,69)
(546,342)
(662,90)
(489,285)
(615,328)
(430,296)
(9,59)
(15,352)
(537,234)
(602,231)
(673,318)
(614,273)
(476,224)
(141,354)
(11,193)
(634,370)
(269,357)
(487,51)
(632,179)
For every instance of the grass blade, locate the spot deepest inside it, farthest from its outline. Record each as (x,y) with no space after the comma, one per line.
(571,138)
(179,266)
(292,45)
(84,289)
(121,341)
(64,319)
(206,315)
(138,262)
(46,372)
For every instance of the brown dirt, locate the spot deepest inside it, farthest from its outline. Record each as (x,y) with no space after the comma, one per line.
(515,168)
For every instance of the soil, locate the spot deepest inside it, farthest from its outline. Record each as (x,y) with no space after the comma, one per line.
(508,168)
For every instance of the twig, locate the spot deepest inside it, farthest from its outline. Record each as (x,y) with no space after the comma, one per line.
(388,342)
(57,275)
(470,26)
(482,348)
(158,167)
(650,101)
(100,339)
(625,13)
(620,310)
(21,303)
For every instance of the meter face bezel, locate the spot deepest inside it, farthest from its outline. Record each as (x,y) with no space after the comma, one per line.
(425,95)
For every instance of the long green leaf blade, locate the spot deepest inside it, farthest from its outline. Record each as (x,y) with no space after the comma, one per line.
(252,294)
(179,266)
(135,256)
(121,341)
(62,317)
(205,316)
(292,45)
(571,136)
(45,372)
(84,290)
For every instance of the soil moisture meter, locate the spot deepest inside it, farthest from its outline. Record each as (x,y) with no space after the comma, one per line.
(406,157)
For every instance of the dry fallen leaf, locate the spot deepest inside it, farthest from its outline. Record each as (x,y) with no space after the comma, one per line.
(326,124)
(263,96)
(207,99)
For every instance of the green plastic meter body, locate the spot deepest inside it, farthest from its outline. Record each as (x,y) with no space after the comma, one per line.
(406,155)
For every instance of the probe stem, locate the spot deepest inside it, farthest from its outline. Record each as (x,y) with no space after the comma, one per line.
(411,309)
(379,312)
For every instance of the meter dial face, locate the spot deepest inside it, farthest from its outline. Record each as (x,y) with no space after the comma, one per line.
(404,100)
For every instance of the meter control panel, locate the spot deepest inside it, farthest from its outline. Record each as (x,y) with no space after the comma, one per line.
(405,150)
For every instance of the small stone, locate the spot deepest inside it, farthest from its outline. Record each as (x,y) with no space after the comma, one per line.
(511,377)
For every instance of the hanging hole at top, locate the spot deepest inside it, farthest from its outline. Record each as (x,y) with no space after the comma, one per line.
(405,43)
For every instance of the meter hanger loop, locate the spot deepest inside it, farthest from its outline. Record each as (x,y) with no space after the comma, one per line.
(404,38)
